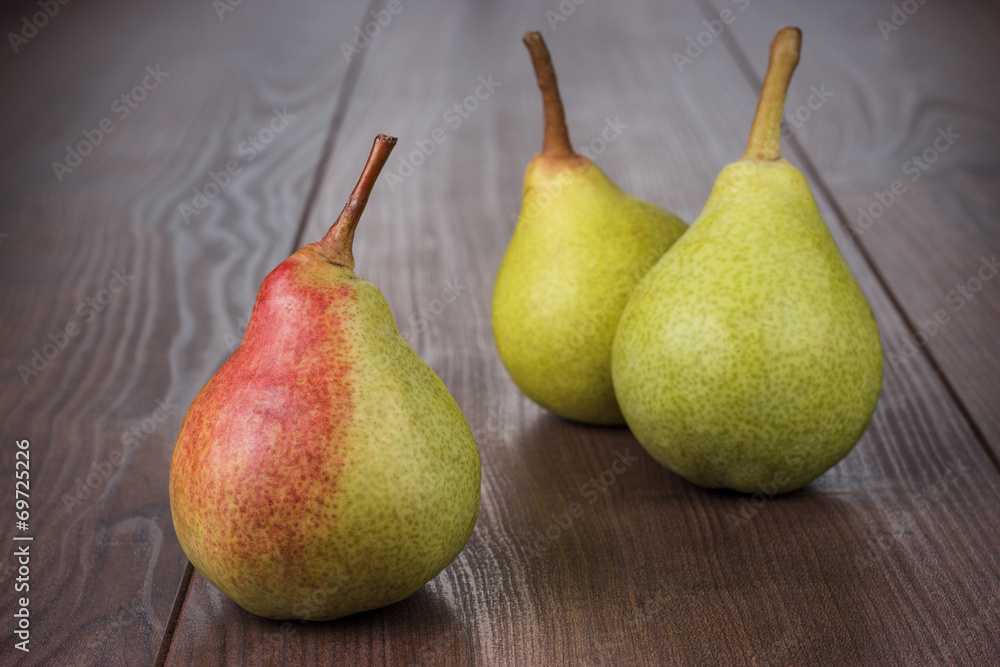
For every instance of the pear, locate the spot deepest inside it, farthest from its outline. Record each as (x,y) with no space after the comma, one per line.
(748,357)
(324,469)
(579,248)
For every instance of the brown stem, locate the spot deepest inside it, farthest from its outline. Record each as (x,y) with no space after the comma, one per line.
(765,133)
(555,142)
(337,245)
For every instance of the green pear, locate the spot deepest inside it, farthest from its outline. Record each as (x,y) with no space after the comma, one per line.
(324,469)
(748,357)
(580,247)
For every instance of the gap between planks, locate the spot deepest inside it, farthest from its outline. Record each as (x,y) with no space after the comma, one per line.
(166,642)
(329,144)
(743,63)
(339,113)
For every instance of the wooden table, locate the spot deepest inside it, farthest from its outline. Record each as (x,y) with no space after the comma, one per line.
(889,558)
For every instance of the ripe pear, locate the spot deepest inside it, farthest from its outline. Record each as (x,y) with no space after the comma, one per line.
(579,248)
(324,469)
(748,357)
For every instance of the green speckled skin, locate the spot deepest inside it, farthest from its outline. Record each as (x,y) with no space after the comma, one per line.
(580,246)
(324,469)
(748,357)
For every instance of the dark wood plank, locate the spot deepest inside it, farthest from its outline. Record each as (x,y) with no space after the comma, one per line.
(105,571)
(890,558)
(930,80)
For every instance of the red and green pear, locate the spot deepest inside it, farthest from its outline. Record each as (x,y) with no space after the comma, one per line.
(324,470)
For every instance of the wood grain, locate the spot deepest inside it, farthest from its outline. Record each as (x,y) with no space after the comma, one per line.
(890,558)
(105,571)
(587,551)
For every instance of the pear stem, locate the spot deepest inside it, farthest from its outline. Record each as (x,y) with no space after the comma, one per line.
(337,245)
(555,142)
(765,133)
